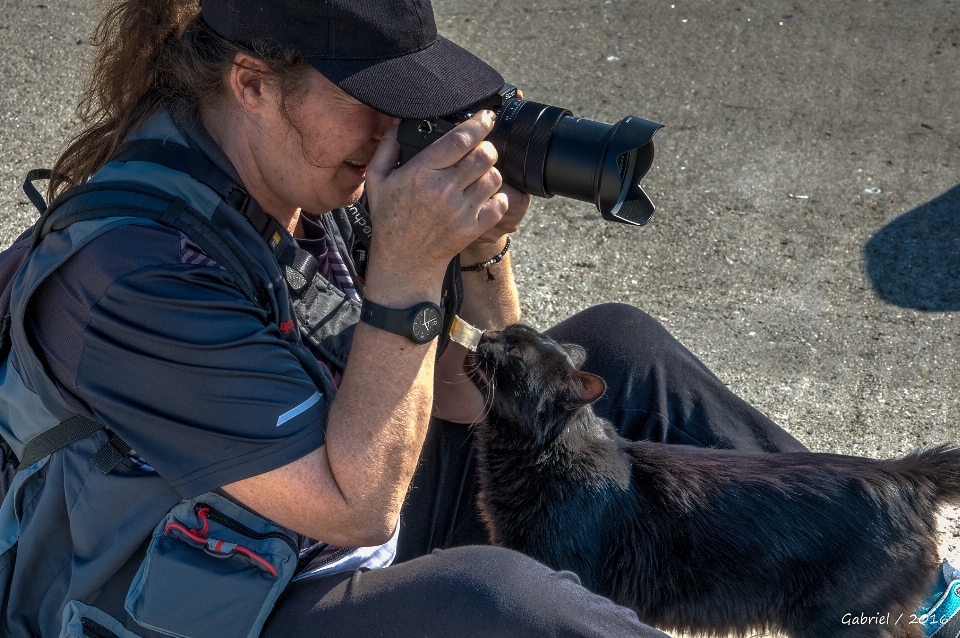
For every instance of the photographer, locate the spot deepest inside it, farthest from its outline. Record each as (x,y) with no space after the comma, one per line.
(349,435)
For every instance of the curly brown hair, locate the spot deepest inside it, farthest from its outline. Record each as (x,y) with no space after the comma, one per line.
(153,54)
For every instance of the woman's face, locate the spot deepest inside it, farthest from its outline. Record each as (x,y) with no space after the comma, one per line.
(318,160)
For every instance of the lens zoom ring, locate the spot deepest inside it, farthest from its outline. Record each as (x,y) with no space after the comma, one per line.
(515,146)
(536,156)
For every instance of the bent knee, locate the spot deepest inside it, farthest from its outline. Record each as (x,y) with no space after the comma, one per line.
(609,327)
(498,587)
(483,567)
(503,592)
(620,317)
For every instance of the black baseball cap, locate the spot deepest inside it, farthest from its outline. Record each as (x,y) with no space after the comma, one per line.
(385,53)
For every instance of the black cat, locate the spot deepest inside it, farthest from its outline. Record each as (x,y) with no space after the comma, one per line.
(696,539)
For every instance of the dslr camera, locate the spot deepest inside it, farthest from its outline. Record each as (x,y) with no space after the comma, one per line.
(545,151)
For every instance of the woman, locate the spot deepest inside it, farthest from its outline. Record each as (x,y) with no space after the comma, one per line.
(142,330)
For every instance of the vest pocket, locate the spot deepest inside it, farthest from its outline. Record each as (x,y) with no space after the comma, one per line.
(212,570)
(83,621)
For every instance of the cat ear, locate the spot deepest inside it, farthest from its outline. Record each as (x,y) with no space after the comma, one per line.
(587,389)
(577,354)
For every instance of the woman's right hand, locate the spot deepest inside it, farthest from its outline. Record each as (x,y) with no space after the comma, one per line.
(428,210)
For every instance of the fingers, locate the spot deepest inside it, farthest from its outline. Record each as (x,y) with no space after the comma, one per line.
(483,188)
(518,203)
(455,145)
(492,212)
(387,154)
(440,201)
(478,165)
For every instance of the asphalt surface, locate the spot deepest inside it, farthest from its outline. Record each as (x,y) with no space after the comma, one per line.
(807,242)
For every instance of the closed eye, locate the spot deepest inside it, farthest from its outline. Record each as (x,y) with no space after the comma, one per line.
(513,351)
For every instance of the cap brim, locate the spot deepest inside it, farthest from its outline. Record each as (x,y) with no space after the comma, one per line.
(443,78)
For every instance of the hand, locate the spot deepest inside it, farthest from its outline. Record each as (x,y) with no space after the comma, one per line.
(433,207)
(517,205)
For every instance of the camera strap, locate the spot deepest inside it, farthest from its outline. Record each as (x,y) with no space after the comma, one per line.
(362,226)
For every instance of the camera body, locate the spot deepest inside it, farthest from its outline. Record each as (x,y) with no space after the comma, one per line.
(545,151)
(416,135)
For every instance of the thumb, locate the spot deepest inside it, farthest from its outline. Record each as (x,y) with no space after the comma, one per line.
(386,156)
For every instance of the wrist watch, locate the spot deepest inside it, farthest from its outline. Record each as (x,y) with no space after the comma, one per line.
(420,323)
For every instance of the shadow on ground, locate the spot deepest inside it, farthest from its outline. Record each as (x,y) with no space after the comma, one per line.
(914,262)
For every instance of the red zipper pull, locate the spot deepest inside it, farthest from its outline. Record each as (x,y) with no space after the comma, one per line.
(202,514)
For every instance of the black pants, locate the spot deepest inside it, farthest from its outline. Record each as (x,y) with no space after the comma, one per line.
(447,580)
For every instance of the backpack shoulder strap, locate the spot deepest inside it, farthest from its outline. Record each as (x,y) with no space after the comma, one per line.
(186,160)
(57,438)
(100,200)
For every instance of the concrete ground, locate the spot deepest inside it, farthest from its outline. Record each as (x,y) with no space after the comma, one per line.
(807,242)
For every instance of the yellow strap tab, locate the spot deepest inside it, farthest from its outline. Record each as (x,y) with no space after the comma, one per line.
(463,333)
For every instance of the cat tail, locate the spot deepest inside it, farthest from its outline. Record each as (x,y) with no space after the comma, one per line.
(939,465)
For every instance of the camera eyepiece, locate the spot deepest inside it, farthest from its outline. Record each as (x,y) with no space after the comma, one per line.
(545,151)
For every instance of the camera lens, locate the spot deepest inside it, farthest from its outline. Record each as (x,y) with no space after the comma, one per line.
(545,151)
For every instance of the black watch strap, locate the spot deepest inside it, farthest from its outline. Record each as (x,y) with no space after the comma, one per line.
(420,323)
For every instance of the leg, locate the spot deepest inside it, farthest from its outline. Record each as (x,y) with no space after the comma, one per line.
(465,592)
(658,391)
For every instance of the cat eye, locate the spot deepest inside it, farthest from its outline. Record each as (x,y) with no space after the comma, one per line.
(513,351)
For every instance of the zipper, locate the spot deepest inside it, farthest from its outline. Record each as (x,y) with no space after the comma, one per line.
(219,517)
(340,553)
(92,629)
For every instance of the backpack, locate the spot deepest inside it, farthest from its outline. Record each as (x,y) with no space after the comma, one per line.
(35,423)
(91,201)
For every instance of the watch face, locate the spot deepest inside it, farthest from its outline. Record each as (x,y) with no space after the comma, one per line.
(426,324)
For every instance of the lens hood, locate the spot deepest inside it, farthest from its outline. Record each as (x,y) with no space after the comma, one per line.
(620,197)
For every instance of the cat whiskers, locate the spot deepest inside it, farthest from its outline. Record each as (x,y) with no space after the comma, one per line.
(476,366)
(489,386)
(488,394)
(466,374)
(487,401)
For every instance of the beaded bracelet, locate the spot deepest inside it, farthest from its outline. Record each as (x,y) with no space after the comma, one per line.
(487,264)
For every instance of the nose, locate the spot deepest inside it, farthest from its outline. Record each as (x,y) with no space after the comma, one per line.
(489,335)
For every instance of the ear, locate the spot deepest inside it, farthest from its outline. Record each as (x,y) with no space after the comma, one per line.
(586,389)
(577,354)
(246,82)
